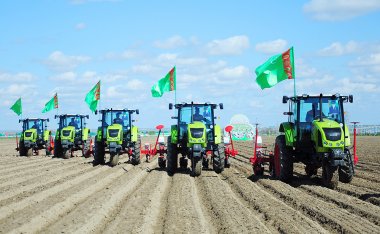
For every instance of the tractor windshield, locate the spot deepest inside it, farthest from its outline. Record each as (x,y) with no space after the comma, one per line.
(116,117)
(189,114)
(74,121)
(310,109)
(36,124)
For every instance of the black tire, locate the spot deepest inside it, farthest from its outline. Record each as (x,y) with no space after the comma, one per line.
(196,166)
(183,163)
(346,172)
(311,170)
(99,153)
(258,170)
(330,176)
(219,157)
(66,153)
(58,149)
(135,160)
(283,160)
(22,149)
(29,152)
(114,159)
(86,149)
(161,162)
(171,158)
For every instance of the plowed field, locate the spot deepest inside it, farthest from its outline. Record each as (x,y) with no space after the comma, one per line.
(51,195)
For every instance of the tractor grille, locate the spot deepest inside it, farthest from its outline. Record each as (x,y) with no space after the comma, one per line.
(333,134)
(196,132)
(66,133)
(113,132)
(28,134)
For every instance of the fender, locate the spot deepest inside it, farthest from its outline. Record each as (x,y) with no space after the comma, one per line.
(134,133)
(174,134)
(99,134)
(47,134)
(288,129)
(217,134)
(85,134)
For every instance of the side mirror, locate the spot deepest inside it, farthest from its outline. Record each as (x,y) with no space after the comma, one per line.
(159,127)
(170,106)
(221,106)
(47,120)
(228,128)
(96,112)
(87,116)
(137,111)
(285,99)
(350,98)
(55,116)
(288,113)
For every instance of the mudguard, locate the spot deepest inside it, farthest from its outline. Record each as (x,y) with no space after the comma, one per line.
(47,134)
(174,134)
(347,136)
(134,133)
(85,134)
(288,129)
(217,134)
(99,134)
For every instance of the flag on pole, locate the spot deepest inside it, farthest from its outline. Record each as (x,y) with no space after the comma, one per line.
(278,68)
(93,97)
(166,84)
(52,104)
(17,107)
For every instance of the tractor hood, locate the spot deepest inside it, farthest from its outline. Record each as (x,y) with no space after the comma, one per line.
(328,133)
(196,133)
(68,133)
(115,133)
(30,135)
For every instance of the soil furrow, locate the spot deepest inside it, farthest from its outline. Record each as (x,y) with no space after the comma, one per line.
(32,165)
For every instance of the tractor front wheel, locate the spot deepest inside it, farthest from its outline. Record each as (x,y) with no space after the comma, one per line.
(29,152)
(99,153)
(311,170)
(196,166)
(58,149)
(283,160)
(171,158)
(346,172)
(161,162)
(183,163)
(219,159)
(136,152)
(330,176)
(114,160)
(66,153)
(22,149)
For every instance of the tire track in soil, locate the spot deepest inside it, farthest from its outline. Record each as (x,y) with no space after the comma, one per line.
(140,209)
(228,212)
(284,218)
(17,161)
(31,165)
(99,207)
(181,209)
(23,191)
(26,176)
(15,213)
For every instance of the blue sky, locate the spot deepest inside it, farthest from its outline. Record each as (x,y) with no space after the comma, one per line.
(67,46)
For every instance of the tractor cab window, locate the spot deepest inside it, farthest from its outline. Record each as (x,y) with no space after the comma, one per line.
(36,124)
(310,109)
(116,117)
(184,119)
(74,121)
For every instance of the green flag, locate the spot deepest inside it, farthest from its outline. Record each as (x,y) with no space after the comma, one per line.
(278,68)
(93,97)
(52,104)
(17,107)
(166,84)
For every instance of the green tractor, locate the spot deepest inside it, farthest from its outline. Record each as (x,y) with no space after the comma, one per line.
(72,135)
(317,136)
(34,137)
(197,138)
(117,136)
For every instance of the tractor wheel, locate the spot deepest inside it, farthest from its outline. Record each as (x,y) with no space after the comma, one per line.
(86,149)
(330,176)
(196,166)
(311,170)
(227,163)
(66,153)
(114,160)
(219,159)
(161,162)
(22,149)
(183,163)
(29,152)
(346,172)
(99,153)
(258,170)
(136,152)
(58,149)
(171,158)
(283,160)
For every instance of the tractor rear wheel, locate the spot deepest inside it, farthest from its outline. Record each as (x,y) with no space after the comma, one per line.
(22,149)
(346,172)
(330,176)
(29,152)
(171,158)
(58,149)
(283,160)
(136,152)
(161,162)
(66,153)
(99,153)
(196,166)
(114,160)
(311,170)
(219,159)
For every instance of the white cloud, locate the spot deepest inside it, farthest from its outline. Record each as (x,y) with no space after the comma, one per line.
(143,68)
(336,10)
(339,49)
(58,61)
(80,26)
(255,104)
(171,43)
(170,59)
(135,85)
(229,46)
(367,63)
(234,72)
(304,70)
(21,76)
(272,47)
(348,86)
(125,55)
(66,76)
(18,90)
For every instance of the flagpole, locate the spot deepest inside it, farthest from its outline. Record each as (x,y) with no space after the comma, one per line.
(294,72)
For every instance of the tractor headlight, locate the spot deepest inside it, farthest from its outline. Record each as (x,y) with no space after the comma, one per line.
(113,133)
(196,132)
(28,134)
(332,134)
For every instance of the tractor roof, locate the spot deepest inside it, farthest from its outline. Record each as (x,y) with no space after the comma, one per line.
(71,115)
(307,96)
(184,104)
(116,110)
(32,119)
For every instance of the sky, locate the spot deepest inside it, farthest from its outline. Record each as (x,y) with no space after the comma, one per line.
(66,47)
